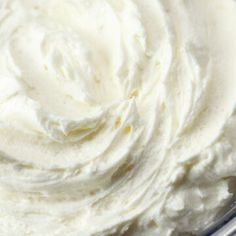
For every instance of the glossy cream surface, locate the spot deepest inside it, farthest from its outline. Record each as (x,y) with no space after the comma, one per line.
(117,117)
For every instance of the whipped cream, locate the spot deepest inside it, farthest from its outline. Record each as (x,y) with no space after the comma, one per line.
(116,117)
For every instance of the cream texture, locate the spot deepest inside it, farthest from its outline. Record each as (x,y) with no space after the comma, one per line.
(117,117)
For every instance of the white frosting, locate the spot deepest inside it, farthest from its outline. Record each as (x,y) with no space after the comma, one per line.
(116,116)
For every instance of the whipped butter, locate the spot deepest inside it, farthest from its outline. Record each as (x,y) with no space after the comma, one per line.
(117,117)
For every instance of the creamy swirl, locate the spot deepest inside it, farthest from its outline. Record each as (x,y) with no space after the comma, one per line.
(116,116)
